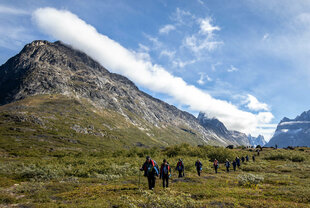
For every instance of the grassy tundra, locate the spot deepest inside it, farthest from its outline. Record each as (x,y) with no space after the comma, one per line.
(278,178)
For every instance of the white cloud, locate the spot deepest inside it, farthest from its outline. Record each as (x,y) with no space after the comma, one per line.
(213,66)
(197,44)
(67,27)
(154,40)
(166,29)
(203,78)
(182,17)
(254,104)
(143,48)
(169,54)
(232,69)
(12,11)
(206,27)
(201,2)
(266,36)
(181,64)
(202,40)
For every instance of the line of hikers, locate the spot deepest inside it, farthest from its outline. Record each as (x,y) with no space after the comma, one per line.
(151,169)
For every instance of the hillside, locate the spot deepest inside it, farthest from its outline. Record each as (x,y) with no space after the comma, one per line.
(52,91)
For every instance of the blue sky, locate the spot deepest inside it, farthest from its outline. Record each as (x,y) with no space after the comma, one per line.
(251,54)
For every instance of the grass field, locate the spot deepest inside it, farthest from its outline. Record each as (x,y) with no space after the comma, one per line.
(278,178)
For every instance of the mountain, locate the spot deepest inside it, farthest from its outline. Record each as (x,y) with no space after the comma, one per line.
(259,140)
(57,95)
(235,137)
(292,132)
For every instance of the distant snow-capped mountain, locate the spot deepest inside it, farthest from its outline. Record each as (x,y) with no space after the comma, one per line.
(292,132)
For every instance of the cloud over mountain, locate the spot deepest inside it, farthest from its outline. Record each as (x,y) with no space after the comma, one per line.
(69,28)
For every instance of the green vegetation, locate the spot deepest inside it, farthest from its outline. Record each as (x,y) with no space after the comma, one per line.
(111,179)
(59,152)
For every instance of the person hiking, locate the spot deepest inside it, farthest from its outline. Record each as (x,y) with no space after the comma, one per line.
(234,163)
(253,158)
(165,173)
(242,159)
(258,152)
(227,165)
(151,170)
(238,161)
(180,168)
(247,158)
(215,165)
(198,165)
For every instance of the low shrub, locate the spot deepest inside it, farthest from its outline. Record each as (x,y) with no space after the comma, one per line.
(206,152)
(162,200)
(285,155)
(250,180)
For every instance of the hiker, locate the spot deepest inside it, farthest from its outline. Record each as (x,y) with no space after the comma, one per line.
(227,165)
(242,159)
(276,146)
(180,168)
(247,158)
(253,158)
(234,163)
(238,161)
(198,165)
(165,173)
(150,169)
(258,152)
(215,165)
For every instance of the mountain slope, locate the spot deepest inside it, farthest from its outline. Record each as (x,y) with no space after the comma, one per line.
(43,68)
(235,137)
(292,132)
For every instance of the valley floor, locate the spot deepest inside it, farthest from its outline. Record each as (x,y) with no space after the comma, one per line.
(278,178)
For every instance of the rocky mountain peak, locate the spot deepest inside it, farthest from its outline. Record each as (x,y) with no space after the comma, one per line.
(305,116)
(49,68)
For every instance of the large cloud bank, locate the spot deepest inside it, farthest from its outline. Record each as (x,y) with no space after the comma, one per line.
(69,28)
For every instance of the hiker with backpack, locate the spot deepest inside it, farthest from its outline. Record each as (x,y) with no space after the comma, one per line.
(253,158)
(198,165)
(215,165)
(247,158)
(234,163)
(242,159)
(151,170)
(227,165)
(238,161)
(165,173)
(180,168)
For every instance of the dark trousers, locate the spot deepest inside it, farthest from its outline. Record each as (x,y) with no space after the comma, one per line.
(234,168)
(198,171)
(180,173)
(227,169)
(151,179)
(215,168)
(165,180)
